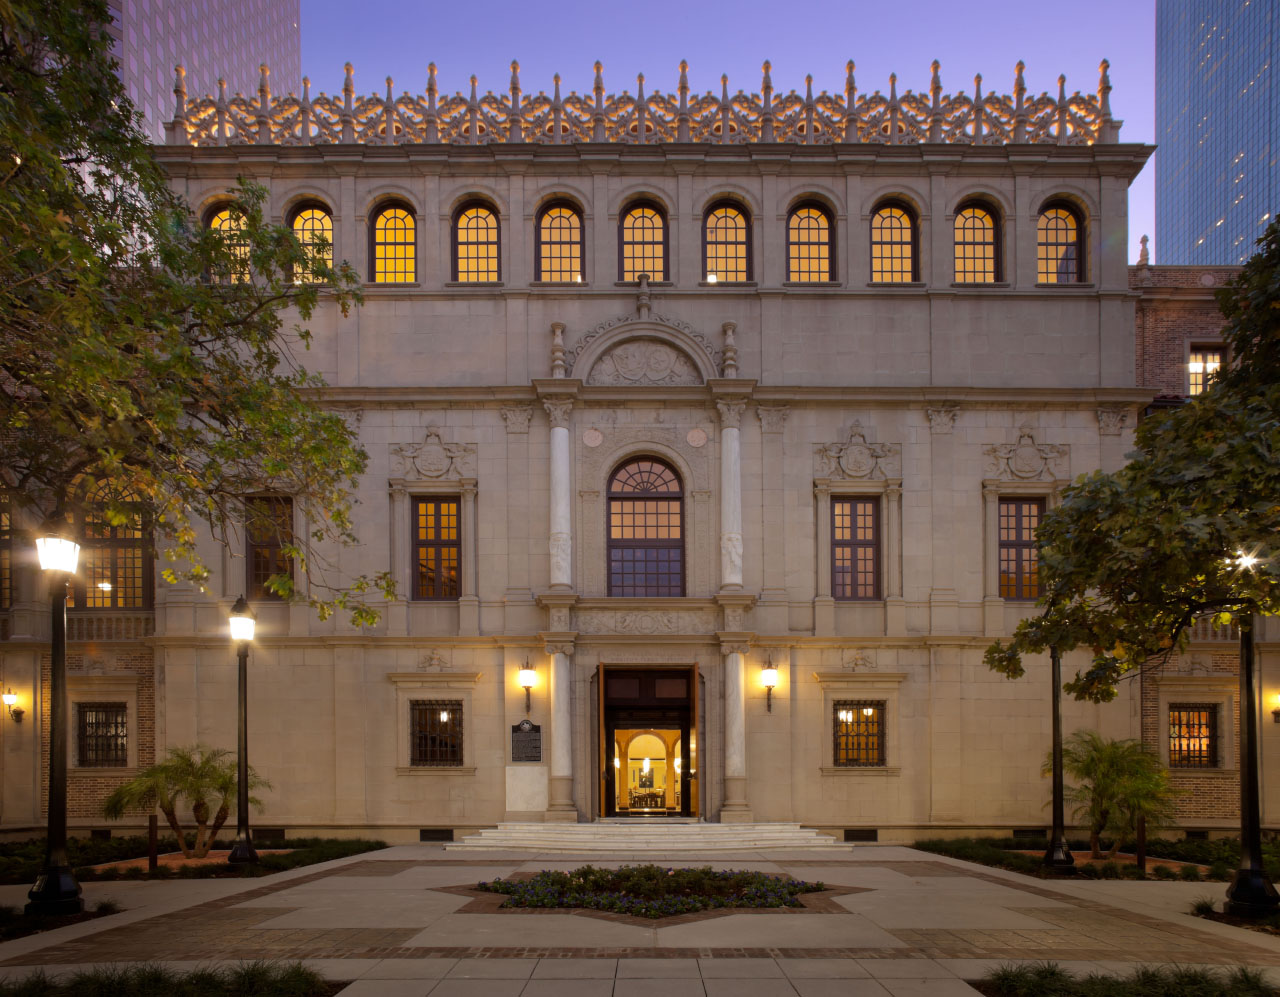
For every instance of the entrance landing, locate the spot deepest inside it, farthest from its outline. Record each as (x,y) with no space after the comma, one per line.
(655,837)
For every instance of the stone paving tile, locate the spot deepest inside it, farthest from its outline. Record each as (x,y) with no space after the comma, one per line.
(576,969)
(492,969)
(410,969)
(741,969)
(478,988)
(930,988)
(659,969)
(738,987)
(647,988)
(568,988)
(812,969)
(906,969)
(839,988)
(388,988)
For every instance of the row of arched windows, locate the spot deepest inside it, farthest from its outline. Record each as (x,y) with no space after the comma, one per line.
(644,239)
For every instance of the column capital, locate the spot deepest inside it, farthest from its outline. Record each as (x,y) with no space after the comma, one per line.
(731,411)
(516,417)
(942,418)
(773,418)
(558,641)
(558,410)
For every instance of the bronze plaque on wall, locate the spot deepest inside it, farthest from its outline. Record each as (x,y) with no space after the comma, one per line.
(526,742)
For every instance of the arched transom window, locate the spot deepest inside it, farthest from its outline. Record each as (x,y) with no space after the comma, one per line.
(893,245)
(646,532)
(230,225)
(726,244)
(976,256)
(394,246)
(559,255)
(643,244)
(113,571)
(809,245)
(475,245)
(1059,255)
(313,228)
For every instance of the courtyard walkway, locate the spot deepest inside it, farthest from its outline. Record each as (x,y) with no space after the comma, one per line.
(403,923)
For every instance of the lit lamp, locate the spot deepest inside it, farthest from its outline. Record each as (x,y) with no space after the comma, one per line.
(16,711)
(242,627)
(528,678)
(56,890)
(1275,713)
(711,278)
(769,676)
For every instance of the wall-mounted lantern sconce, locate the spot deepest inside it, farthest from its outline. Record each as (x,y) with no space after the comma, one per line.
(769,676)
(11,701)
(528,679)
(1275,714)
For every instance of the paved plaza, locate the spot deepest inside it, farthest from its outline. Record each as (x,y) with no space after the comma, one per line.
(404,923)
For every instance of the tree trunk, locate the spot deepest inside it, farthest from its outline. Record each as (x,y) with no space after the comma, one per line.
(171,816)
(200,811)
(219,819)
(1140,849)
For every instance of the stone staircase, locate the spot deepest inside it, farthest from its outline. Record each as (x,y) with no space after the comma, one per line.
(640,837)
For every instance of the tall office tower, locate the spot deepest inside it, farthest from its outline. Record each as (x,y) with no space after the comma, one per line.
(210,38)
(1217,128)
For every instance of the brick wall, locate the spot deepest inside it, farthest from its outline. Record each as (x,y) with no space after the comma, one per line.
(1177,308)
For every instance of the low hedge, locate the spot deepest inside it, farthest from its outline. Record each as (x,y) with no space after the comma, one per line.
(261,979)
(306,851)
(1050,980)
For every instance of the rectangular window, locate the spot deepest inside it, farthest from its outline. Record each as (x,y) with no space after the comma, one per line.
(435,732)
(436,548)
(1019,576)
(268,530)
(6,556)
(1193,735)
(855,548)
(1202,362)
(115,564)
(102,735)
(859,733)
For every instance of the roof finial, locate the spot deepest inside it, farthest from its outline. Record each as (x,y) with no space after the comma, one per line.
(1144,254)
(682,117)
(850,103)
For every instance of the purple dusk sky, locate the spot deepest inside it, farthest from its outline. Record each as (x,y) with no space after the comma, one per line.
(398,38)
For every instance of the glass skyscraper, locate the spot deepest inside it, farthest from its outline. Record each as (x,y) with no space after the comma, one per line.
(1217,128)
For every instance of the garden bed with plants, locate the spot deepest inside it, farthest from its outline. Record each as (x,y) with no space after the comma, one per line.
(15,924)
(1051,980)
(261,979)
(651,891)
(1192,861)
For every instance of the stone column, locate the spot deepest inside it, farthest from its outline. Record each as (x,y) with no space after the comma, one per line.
(561,540)
(735,810)
(561,803)
(730,494)
(992,604)
(824,605)
(468,599)
(895,606)
(944,605)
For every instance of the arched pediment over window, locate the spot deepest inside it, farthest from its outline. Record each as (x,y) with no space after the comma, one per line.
(642,352)
(644,361)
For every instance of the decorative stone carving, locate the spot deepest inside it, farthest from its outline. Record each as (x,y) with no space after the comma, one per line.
(942,418)
(558,368)
(592,438)
(564,648)
(731,412)
(433,458)
(558,619)
(610,325)
(696,438)
(1112,419)
(858,459)
(860,660)
(730,368)
(1027,460)
(735,616)
(517,417)
(643,362)
(434,661)
(353,417)
(1193,664)
(773,418)
(558,410)
(643,623)
(561,548)
(735,647)
(731,553)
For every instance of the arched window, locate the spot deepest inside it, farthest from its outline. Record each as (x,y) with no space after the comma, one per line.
(726,243)
(810,248)
(894,254)
(977,245)
(642,243)
(230,225)
(475,244)
(313,227)
(558,253)
(114,572)
(1059,246)
(646,530)
(394,249)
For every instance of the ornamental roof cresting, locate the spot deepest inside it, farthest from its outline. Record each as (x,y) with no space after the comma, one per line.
(683,117)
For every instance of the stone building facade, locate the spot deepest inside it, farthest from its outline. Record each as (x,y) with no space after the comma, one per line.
(729,418)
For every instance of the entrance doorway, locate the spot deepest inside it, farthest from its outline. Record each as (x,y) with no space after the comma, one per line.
(648,742)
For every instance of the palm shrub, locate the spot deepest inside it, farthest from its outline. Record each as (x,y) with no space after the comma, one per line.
(203,778)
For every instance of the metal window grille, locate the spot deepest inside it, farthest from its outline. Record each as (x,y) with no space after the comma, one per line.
(436,548)
(644,244)
(858,726)
(1058,247)
(646,535)
(313,228)
(975,236)
(268,528)
(725,244)
(892,246)
(1019,566)
(559,255)
(855,548)
(809,245)
(1202,363)
(475,236)
(1193,735)
(394,247)
(113,573)
(102,735)
(435,732)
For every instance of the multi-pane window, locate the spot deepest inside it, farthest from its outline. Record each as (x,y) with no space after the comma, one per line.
(1193,735)
(858,727)
(1019,576)
(102,735)
(394,246)
(809,256)
(1202,363)
(435,548)
(475,245)
(6,555)
(642,244)
(435,732)
(559,250)
(726,244)
(855,548)
(646,536)
(268,530)
(975,238)
(893,245)
(1059,249)
(313,227)
(114,572)
(230,225)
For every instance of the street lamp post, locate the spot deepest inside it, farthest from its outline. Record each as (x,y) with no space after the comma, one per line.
(56,890)
(242,624)
(1058,855)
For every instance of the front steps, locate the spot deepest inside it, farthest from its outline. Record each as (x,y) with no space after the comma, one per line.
(644,837)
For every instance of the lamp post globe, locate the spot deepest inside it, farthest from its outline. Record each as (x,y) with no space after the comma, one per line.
(242,624)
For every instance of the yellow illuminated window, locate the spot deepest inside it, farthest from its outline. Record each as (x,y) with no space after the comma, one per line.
(726,238)
(313,228)
(230,225)
(892,246)
(436,548)
(646,544)
(644,244)
(1202,363)
(559,245)
(1059,255)
(975,247)
(476,245)
(1193,735)
(394,247)
(808,245)
(1019,559)
(112,571)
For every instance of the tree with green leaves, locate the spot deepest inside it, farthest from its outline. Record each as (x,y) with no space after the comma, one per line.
(203,778)
(149,363)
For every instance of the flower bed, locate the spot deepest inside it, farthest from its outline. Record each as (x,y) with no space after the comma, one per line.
(650,890)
